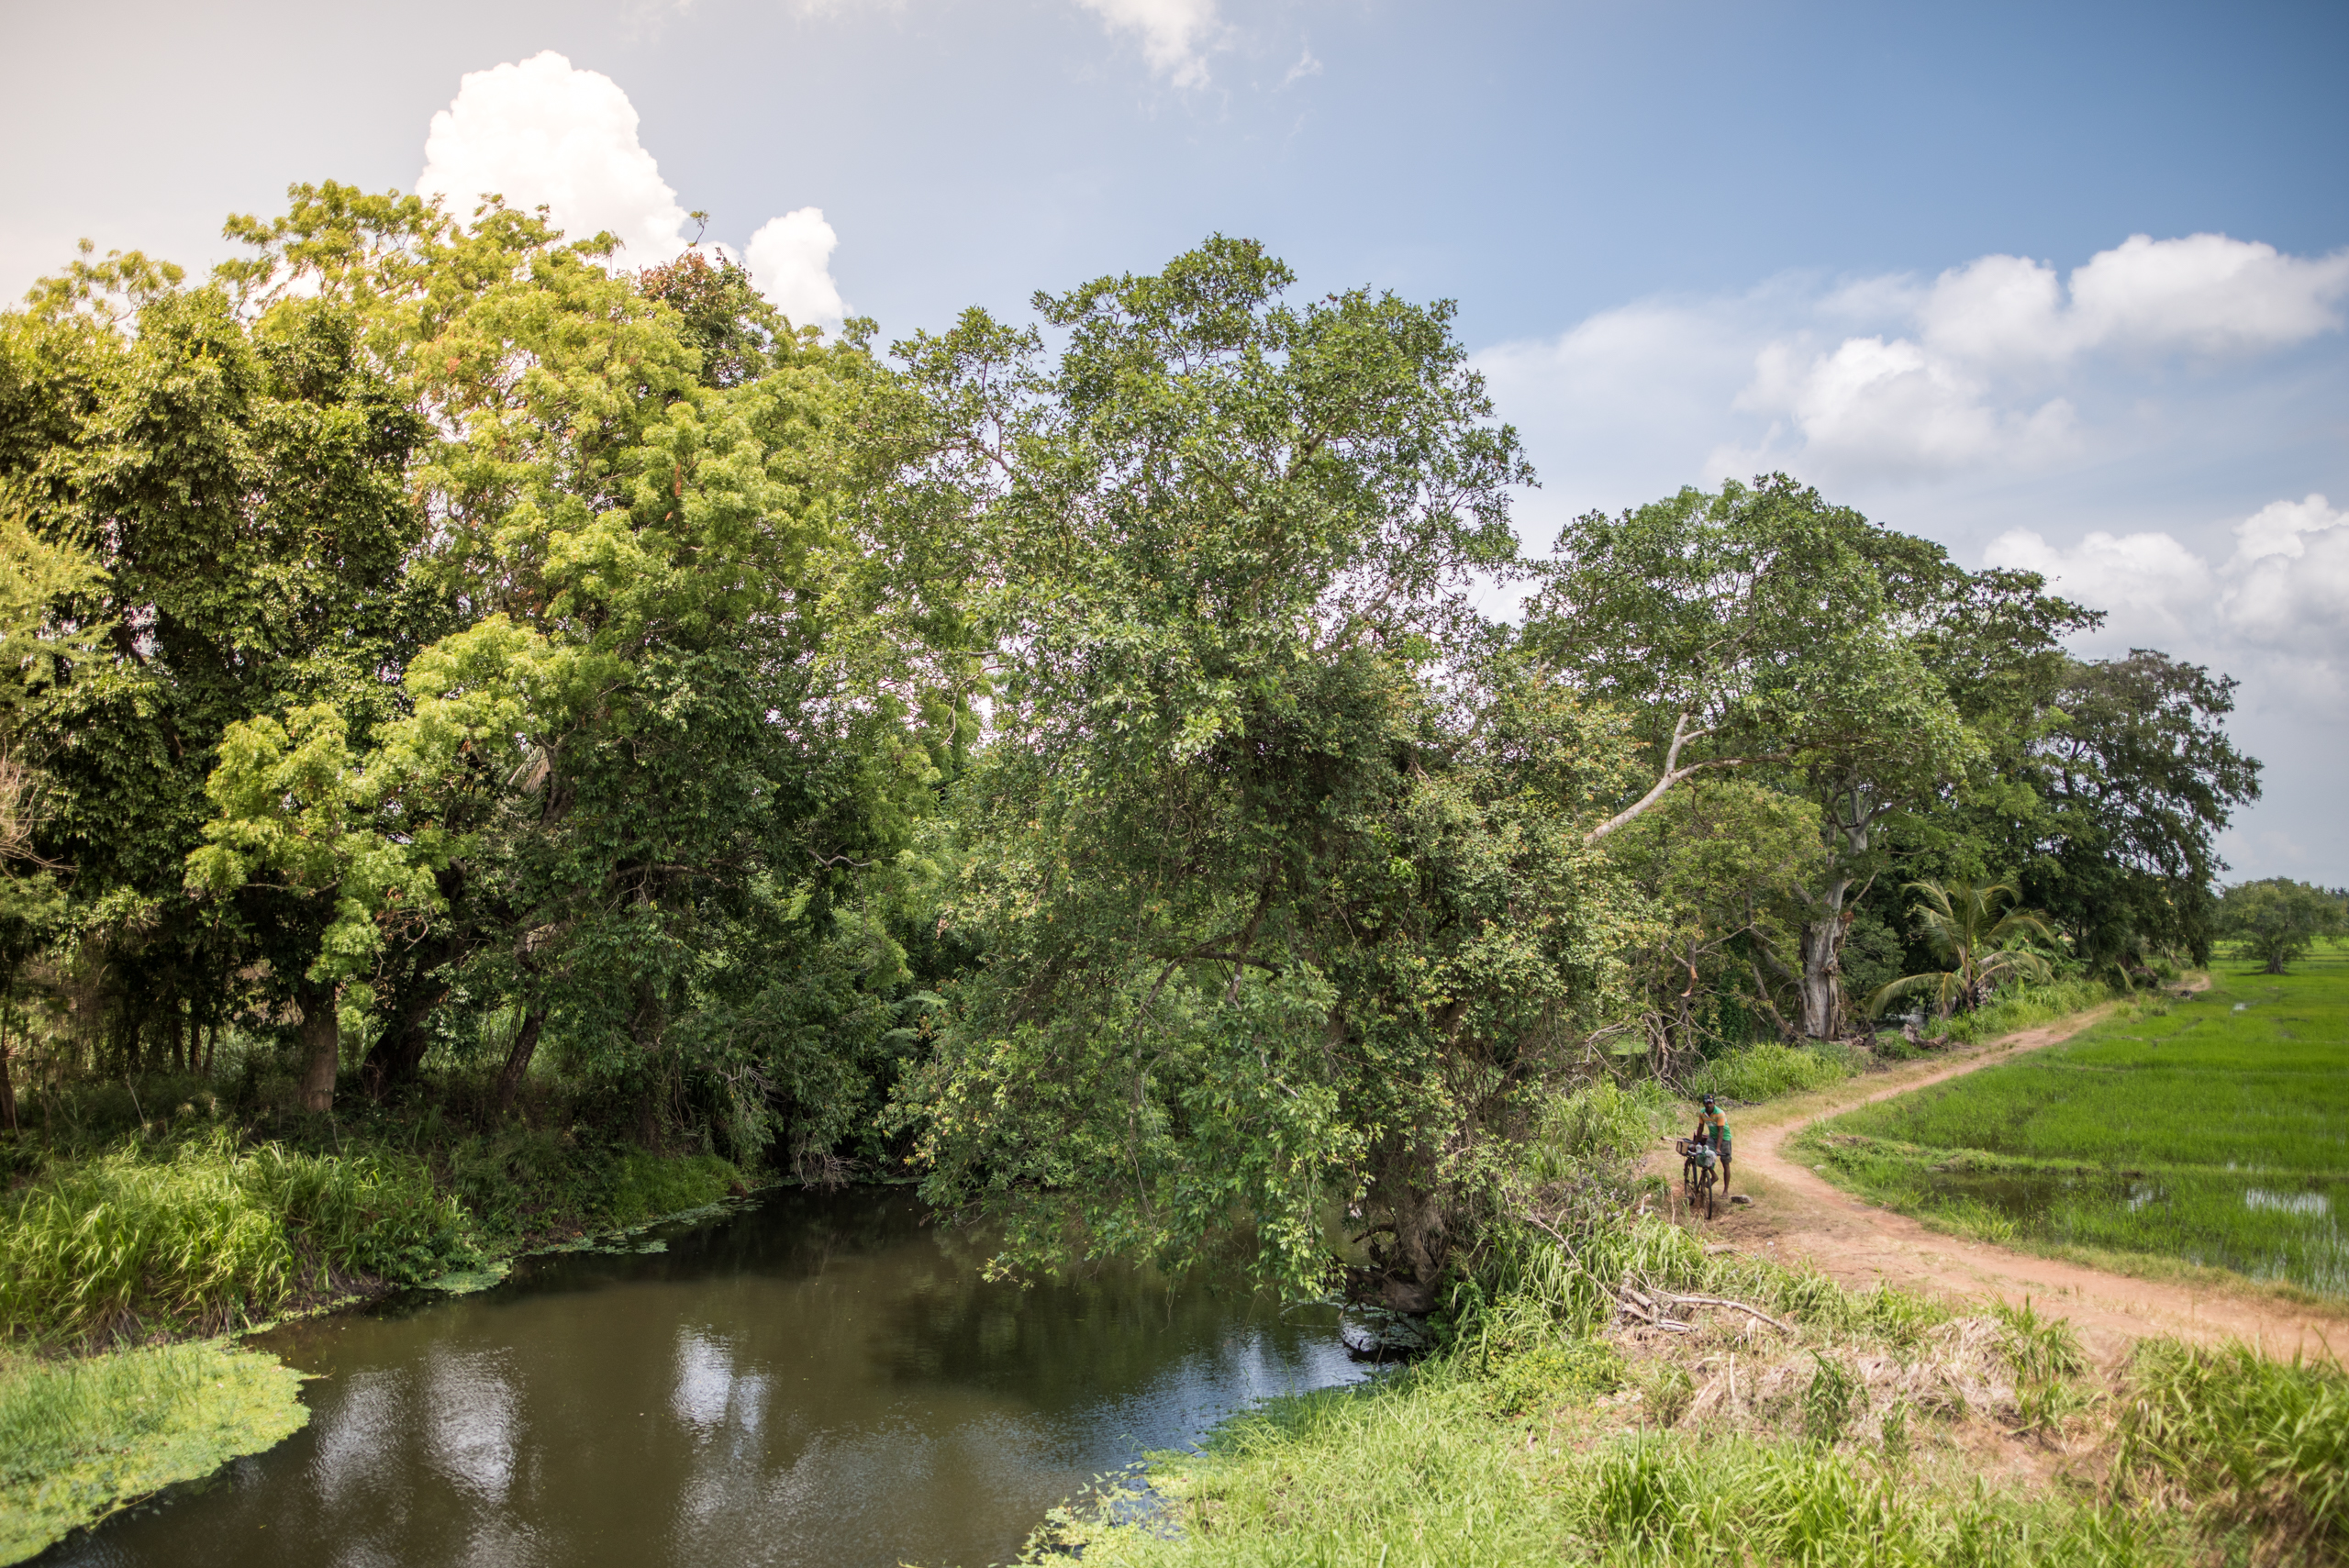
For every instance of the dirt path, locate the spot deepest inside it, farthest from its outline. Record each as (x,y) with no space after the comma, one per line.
(1796,1214)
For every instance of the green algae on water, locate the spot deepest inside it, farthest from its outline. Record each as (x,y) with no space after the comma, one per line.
(84,1439)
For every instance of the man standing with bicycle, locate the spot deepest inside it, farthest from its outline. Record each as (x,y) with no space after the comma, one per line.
(1712,1128)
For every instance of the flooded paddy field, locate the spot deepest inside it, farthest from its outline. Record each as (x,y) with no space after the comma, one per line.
(2214,1132)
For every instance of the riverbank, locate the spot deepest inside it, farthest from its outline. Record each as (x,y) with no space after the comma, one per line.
(127,1270)
(1805,1423)
(83,1436)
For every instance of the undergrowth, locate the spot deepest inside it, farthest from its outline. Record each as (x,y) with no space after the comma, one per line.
(212,1236)
(197,1233)
(2022,1009)
(1766,1070)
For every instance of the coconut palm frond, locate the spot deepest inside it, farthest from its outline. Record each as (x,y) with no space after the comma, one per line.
(1976,929)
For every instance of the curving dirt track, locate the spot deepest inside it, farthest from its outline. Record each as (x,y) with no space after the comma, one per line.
(1796,1214)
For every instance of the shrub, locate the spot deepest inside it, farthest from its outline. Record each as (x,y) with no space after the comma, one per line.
(646,1186)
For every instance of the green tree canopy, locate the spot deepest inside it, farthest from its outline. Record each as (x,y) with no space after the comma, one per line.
(2278,920)
(1276,862)
(1766,630)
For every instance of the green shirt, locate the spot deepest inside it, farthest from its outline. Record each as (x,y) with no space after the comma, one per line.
(1718,1123)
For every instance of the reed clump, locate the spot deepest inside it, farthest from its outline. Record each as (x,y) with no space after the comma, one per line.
(207,1235)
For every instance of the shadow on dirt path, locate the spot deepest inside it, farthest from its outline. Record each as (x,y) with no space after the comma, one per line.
(1796,1214)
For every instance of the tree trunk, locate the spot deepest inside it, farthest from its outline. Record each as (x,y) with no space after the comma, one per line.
(321,1047)
(1822,982)
(398,1053)
(7,1086)
(517,1060)
(1822,977)
(178,1046)
(1406,1274)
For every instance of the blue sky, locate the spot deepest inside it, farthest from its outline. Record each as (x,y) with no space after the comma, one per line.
(1888,248)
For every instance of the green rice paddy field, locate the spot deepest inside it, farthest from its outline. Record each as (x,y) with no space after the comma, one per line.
(2213,1130)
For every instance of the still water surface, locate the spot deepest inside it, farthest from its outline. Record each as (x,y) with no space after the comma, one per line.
(818,1380)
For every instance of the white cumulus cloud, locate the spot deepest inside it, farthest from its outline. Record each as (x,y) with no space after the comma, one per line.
(543,132)
(2279,604)
(1884,406)
(2274,615)
(1974,378)
(790,260)
(1176,34)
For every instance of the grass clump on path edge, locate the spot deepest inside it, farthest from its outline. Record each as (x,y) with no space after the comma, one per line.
(82,1439)
(1766,1071)
(2258,1444)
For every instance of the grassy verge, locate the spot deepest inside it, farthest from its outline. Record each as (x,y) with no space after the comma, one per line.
(1769,1070)
(196,1233)
(1859,1426)
(80,1439)
(2023,1008)
(209,1237)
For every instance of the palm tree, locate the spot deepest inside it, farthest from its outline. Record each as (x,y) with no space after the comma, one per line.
(1973,926)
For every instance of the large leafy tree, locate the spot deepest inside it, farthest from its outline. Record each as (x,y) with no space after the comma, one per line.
(2278,920)
(485,629)
(1765,630)
(1726,865)
(2133,783)
(1276,866)
(240,480)
(646,759)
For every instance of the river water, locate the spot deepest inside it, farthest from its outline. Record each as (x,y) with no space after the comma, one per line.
(820,1379)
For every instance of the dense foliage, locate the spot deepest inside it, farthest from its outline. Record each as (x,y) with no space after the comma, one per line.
(452,676)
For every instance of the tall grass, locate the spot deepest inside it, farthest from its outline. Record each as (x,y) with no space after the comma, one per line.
(2260,1443)
(80,1437)
(212,1236)
(1600,1122)
(1764,1071)
(1538,1291)
(2022,1009)
(1416,1473)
